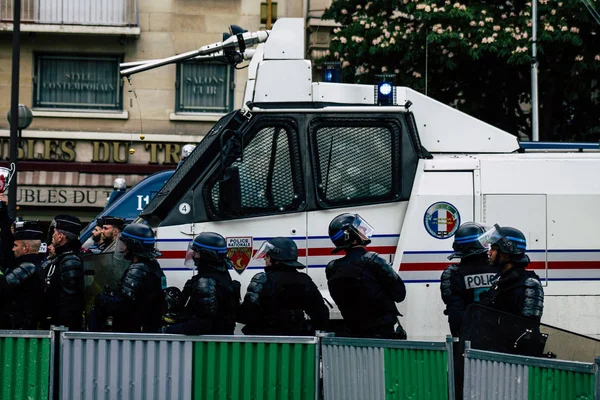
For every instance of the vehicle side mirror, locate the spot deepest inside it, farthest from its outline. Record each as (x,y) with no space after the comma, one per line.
(230,197)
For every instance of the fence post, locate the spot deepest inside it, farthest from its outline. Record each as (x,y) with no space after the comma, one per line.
(450,350)
(597,378)
(55,355)
(319,363)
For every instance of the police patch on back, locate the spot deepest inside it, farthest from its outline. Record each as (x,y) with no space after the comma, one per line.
(479,281)
(441,220)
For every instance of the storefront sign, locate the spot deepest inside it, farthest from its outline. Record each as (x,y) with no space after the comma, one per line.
(95,151)
(80,82)
(62,196)
(204,87)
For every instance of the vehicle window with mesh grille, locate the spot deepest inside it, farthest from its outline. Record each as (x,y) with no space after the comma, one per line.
(270,175)
(356,164)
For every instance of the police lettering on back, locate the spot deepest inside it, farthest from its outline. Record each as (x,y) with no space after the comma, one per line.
(479,281)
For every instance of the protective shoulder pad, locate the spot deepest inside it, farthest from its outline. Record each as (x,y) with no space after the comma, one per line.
(256,287)
(20,274)
(70,263)
(139,267)
(205,287)
(134,282)
(445,284)
(379,266)
(533,305)
(373,258)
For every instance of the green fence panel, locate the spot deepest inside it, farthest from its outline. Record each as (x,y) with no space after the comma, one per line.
(416,374)
(556,384)
(254,371)
(25,369)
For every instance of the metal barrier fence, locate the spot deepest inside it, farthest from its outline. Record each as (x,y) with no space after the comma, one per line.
(74,12)
(375,369)
(81,365)
(490,376)
(137,366)
(27,367)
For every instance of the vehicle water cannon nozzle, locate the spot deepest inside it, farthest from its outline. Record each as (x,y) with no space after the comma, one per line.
(239,42)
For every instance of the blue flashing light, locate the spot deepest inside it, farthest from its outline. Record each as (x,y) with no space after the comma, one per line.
(385,93)
(331,74)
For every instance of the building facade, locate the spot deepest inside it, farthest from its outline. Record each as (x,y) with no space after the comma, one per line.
(89,125)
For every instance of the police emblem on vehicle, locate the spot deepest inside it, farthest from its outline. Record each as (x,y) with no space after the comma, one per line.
(441,220)
(239,250)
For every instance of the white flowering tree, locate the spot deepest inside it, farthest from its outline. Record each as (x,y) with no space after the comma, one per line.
(476,56)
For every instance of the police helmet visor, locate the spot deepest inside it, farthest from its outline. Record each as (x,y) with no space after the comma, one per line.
(490,237)
(189,257)
(264,249)
(362,228)
(120,250)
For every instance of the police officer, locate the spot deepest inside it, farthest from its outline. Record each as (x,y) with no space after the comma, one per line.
(111,227)
(7,257)
(64,294)
(138,302)
(211,298)
(185,153)
(463,283)
(277,299)
(514,289)
(22,285)
(96,239)
(363,285)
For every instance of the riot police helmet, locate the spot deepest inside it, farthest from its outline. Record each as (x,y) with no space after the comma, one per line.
(347,230)
(508,240)
(208,247)
(466,241)
(136,239)
(282,251)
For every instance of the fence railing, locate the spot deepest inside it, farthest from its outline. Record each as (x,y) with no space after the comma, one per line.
(74,12)
(152,366)
(490,376)
(356,369)
(81,365)
(27,367)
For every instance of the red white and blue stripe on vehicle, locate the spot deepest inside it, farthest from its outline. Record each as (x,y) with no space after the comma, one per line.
(418,266)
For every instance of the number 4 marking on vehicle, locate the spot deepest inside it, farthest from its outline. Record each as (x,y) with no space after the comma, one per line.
(184,208)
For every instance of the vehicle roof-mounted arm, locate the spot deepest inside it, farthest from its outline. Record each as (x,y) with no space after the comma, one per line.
(236,43)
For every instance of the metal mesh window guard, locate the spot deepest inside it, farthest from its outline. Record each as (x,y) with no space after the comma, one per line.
(355,164)
(270,173)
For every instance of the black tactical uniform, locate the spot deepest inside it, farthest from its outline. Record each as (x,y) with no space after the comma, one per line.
(515,291)
(362,284)
(463,284)
(210,299)
(7,258)
(64,277)
(22,285)
(138,302)
(277,299)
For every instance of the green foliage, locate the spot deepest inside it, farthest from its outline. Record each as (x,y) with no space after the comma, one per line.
(476,56)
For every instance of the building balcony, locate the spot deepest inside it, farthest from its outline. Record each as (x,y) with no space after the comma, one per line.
(97,17)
